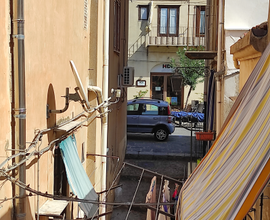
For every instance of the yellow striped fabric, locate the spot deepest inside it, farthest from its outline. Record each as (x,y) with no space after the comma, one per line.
(232,175)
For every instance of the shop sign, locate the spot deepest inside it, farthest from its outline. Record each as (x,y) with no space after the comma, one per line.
(167,66)
(140,83)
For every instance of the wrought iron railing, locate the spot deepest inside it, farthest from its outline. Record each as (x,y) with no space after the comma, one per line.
(138,43)
(184,37)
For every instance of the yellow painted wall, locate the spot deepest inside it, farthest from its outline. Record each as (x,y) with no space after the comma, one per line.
(54,34)
(246,67)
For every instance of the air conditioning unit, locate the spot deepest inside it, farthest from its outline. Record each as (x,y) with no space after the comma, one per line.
(128,76)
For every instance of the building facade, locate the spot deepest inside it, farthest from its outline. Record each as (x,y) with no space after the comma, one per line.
(226,25)
(241,44)
(239,41)
(157,29)
(42,42)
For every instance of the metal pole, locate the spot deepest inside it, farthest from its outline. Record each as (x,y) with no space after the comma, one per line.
(261,207)
(134,194)
(105,84)
(38,184)
(219,66)
(188,26)
(191,148)
(152,172)
(20,110)
(159,193)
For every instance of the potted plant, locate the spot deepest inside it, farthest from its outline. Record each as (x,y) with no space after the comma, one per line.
(204,135)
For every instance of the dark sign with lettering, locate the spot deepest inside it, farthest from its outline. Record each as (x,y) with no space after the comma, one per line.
(167,66)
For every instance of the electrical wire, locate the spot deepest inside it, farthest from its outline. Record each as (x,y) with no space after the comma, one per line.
(38,137)
(32,151)
(66,198)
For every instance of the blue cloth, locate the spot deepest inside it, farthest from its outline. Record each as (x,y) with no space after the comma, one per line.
(77,177)
(187,115)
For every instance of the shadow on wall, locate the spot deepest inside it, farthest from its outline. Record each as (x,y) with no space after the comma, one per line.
(144,30)
(29,215)
(28,210)
(51,121)
(7,215)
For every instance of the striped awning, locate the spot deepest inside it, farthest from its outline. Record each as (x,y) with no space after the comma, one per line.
(232,175)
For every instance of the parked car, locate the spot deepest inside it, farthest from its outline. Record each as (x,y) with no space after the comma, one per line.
(150,116)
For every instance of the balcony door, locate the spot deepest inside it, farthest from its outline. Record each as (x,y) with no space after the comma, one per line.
(168,21)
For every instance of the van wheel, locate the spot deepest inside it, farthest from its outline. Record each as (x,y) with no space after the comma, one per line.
(161,134)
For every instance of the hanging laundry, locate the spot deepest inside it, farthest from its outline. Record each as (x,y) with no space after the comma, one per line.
(165,198)
(151,198)
(175,198)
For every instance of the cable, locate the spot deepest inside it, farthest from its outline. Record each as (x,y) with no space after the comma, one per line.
(59,197)
(38,137)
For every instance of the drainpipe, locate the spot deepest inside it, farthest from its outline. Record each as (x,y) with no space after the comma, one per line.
(188,26)
(219,59)
(19,102)
(105,94)
(98,92)
(206,78)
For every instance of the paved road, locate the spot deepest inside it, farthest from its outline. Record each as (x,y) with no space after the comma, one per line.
(178,144)
(169,158)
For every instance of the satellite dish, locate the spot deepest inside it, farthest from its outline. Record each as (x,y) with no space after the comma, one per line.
(79,83)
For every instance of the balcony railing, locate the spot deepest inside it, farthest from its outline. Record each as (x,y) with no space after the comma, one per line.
(154,39)
(182,39)
(138,43)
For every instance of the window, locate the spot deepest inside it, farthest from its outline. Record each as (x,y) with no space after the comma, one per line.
(148,109)
(143,12)
(200,21)
(133,109)
(117,13)
(168,20)
(163,111)
(60,176)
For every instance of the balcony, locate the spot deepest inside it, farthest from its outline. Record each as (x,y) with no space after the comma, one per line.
(173,41)
(152,39)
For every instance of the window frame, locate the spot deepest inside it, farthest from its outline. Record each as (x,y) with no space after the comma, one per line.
(139,12)
(198,21)
(117,25)
(136,110)
(149,109)
(168,7)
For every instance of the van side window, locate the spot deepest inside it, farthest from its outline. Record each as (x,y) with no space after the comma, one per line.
(133,109)
(163,111)
(149,109)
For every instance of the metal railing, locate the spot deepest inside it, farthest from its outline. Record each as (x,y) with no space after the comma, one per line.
(138,43)
(185,36)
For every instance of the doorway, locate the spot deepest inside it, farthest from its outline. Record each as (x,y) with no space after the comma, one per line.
(166,87)
(60,177)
